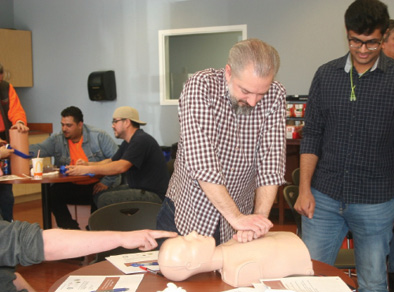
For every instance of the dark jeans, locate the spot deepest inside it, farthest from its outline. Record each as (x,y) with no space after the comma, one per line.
(6,202)
(124,193)
(68,193)
(166,221)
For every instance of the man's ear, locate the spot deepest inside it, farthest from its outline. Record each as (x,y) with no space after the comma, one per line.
(228,72)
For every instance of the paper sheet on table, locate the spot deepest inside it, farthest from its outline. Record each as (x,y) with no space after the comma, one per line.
(10,177)
(56,172)
(130,263)
(307,284)
(100,283)
(249,289)
(257,287)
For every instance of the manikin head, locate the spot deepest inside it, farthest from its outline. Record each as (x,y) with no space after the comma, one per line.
(184,256)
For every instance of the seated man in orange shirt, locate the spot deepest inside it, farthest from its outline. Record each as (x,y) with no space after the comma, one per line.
(76,141)
(12,116)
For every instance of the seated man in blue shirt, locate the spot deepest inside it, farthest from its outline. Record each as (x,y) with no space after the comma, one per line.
(139,156)
(76,141)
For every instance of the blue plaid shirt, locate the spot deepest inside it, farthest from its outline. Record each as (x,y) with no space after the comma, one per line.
(354,140)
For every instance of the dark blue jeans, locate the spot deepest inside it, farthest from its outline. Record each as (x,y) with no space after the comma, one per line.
(6,202)
(371,226)
(166,220)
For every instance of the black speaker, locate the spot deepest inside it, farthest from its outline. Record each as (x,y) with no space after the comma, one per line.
(101,86)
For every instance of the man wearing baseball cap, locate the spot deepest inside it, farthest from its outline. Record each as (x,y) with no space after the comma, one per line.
(139,157)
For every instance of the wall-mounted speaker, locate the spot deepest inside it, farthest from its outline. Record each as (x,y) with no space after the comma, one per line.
(101,86)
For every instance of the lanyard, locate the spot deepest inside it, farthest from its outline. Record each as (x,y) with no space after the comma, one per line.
(352,94)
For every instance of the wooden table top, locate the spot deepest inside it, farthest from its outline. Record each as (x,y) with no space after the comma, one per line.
(206,282)
(53,178)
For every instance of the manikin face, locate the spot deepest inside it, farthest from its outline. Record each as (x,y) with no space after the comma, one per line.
(246,89)
(388,46)
(362,57)
(71,130)
(182,256)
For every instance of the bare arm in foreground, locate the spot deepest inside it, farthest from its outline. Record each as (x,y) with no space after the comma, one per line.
(61,244)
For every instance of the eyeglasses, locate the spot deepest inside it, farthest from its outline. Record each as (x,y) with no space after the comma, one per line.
(115,121)
(371,45)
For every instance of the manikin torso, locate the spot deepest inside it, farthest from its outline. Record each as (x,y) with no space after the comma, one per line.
(277,254)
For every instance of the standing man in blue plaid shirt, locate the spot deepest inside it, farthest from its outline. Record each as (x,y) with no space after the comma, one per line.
(347,151)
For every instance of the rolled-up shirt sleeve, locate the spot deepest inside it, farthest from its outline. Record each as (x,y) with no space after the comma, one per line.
(16,111)
(199,129)
(21,243)
(314,125)
(271,159)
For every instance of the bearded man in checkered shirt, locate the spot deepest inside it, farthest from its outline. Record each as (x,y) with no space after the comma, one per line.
(231,153)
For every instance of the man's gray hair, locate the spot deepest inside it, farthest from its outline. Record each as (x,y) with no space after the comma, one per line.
(390,30)
(254,51)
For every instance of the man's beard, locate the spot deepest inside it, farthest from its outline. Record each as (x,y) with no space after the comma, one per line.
(118,135)
(240,107)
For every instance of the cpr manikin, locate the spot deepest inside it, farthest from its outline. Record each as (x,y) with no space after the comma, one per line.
(277,254)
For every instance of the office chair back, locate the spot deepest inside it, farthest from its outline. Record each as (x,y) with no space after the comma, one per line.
(290,194)
(295,176)
(126,216)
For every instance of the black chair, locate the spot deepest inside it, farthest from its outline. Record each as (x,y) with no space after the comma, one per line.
(345,258)
(290,194)
(295,176)
(126,216)
(170,163)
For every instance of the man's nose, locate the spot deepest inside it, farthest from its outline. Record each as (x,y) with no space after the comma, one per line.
(363,48)
(253,100)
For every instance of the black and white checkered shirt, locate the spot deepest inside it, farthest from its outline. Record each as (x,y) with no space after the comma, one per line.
(353,139)
(241,152)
